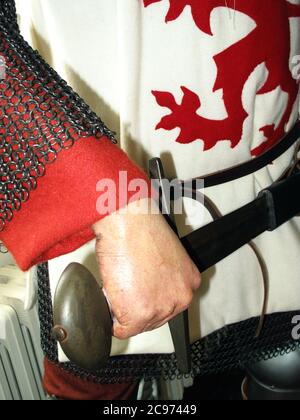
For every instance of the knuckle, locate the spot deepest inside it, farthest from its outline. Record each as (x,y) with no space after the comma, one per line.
(172,309)
(135,322)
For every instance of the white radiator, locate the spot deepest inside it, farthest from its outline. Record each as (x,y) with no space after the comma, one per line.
(21,359)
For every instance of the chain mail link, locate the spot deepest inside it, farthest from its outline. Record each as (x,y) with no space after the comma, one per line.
(230,348)
(49,345)
(8,12)
(40,115)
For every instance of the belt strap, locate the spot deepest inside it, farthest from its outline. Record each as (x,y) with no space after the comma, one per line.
(219,239)
(253,165)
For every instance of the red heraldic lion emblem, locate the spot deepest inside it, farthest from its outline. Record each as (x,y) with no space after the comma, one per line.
(268,43)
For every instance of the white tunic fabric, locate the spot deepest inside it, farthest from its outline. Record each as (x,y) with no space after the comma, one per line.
(114,54)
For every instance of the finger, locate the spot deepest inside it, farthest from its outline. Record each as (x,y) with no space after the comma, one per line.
(164,321)
(123,332)
(126,331)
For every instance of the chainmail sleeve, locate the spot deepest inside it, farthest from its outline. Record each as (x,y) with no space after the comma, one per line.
(53,151)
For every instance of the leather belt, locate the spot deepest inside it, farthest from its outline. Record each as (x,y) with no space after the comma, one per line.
(274,206)
(253,165)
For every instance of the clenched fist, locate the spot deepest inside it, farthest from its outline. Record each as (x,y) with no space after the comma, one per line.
(147,275)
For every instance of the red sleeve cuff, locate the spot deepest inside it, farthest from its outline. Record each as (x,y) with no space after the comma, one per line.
(59,215)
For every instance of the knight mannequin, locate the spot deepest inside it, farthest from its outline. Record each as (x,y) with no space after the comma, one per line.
(220,99)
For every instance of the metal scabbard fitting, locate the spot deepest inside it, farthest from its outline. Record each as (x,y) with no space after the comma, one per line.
(82,320)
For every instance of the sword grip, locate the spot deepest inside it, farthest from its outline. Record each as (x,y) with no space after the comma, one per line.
(179,326)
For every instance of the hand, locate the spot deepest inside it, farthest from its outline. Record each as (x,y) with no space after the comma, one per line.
(147,275)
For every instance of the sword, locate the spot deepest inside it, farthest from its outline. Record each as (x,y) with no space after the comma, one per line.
(82,318)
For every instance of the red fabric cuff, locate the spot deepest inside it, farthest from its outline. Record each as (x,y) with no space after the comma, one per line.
(60,213)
